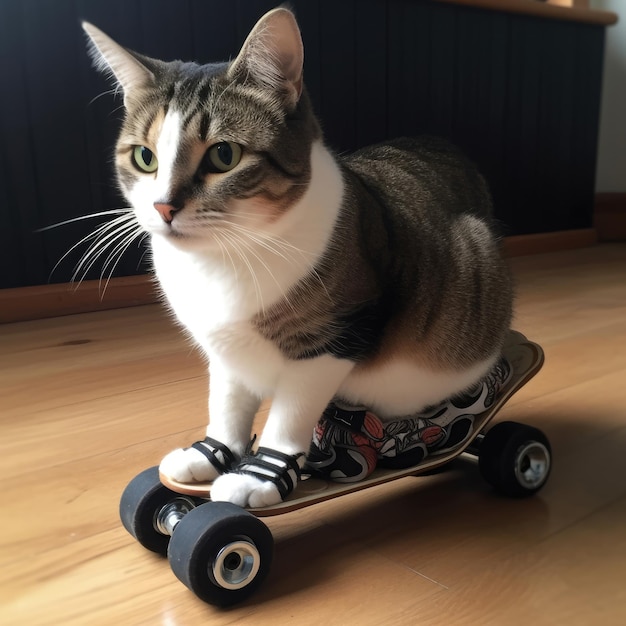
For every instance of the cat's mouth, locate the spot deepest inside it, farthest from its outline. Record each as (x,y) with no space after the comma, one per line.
(172,232)
(183,236)
(168,231)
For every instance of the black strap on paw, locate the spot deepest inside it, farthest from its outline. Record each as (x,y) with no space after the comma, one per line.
(208,447)
(279,468)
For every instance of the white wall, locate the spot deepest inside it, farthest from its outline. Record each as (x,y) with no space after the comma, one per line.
(611,172)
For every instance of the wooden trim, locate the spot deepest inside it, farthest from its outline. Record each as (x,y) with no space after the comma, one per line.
(609,216)
(580,4)
(539,243)
(30,303)
(542,9)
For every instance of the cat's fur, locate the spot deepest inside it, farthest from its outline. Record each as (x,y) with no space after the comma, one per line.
(304,277)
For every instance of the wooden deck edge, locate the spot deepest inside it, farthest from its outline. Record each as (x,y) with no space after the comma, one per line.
(30,303)
(610,216)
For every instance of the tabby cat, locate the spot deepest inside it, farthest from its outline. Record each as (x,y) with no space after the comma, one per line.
(373,279)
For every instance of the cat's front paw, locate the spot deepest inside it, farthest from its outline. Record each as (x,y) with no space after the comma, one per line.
(204,461)
(262,478)
(188,465)
(245,491)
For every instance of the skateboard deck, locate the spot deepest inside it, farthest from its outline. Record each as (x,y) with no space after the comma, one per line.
(526,359)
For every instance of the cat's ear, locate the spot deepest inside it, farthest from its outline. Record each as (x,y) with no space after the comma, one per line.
(272,55)
(126,69)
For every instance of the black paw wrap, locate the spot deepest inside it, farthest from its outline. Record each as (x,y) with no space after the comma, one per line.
(208,447)
(279,468)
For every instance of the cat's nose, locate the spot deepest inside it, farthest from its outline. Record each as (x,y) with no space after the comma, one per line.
(166,210)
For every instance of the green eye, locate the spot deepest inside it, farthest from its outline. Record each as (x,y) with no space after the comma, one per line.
(222,157)
(145,159)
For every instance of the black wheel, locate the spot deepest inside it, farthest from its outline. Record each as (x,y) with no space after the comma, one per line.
(515,459)
(221,552)
(144,509)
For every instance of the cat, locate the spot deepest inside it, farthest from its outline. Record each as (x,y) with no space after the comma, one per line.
(375,279)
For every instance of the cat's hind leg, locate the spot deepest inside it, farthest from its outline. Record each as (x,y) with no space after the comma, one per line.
(231,410)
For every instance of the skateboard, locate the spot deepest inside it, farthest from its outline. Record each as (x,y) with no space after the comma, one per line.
(223,552)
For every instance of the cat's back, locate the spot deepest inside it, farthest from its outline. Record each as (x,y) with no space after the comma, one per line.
(421,213)
(422,173)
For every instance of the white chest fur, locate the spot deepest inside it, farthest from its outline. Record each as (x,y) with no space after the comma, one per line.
(215,294)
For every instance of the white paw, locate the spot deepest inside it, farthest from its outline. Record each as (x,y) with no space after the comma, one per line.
(188,466)
(244,490)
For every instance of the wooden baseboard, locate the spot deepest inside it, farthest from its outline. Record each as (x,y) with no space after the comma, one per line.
(540,243)
(610,216)
(30,303)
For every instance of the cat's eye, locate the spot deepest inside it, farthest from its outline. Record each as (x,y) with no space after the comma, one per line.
(145,160)
(222,157)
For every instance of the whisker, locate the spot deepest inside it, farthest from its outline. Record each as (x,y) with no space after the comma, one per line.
(272,243)
(99,246)
(270,238)
(84,217)
(129,235)
(145,251)
(86,238)
(104,93)
(121,249)
(232,262)
(271,274)
(259,241)
(235,241)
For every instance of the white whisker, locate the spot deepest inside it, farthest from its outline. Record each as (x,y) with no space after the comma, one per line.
(104,93)
(123,236)
(101,235)
(92,235)
(84,217)
(248,245)
(98,251)
(281,248)
(232,262)
(234,242)
(120,249)
(107,238)
(143,254)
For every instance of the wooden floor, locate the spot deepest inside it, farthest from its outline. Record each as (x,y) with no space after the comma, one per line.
(88,401)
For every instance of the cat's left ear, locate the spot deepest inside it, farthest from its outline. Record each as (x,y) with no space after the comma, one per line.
(273,55)
(126,68)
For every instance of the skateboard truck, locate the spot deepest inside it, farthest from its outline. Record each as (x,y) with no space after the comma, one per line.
(223,552)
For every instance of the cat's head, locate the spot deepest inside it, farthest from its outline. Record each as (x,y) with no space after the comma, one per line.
(210,148)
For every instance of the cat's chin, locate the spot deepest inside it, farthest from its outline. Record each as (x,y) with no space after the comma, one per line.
(186,241)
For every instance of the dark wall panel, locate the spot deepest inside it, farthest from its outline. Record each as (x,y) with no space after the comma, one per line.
(520,95)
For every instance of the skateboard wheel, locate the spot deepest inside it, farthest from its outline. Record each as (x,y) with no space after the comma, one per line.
(145,507)
(515,459)
(221,552)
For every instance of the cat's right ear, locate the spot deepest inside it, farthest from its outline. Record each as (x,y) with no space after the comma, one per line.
(125,68)
(272,56)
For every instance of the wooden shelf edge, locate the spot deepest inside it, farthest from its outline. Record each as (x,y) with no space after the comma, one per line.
(542,9)
(31,303)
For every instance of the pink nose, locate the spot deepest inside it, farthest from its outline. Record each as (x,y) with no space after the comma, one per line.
(166,210)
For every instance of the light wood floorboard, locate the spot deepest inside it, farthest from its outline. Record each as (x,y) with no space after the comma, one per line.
(88,401)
